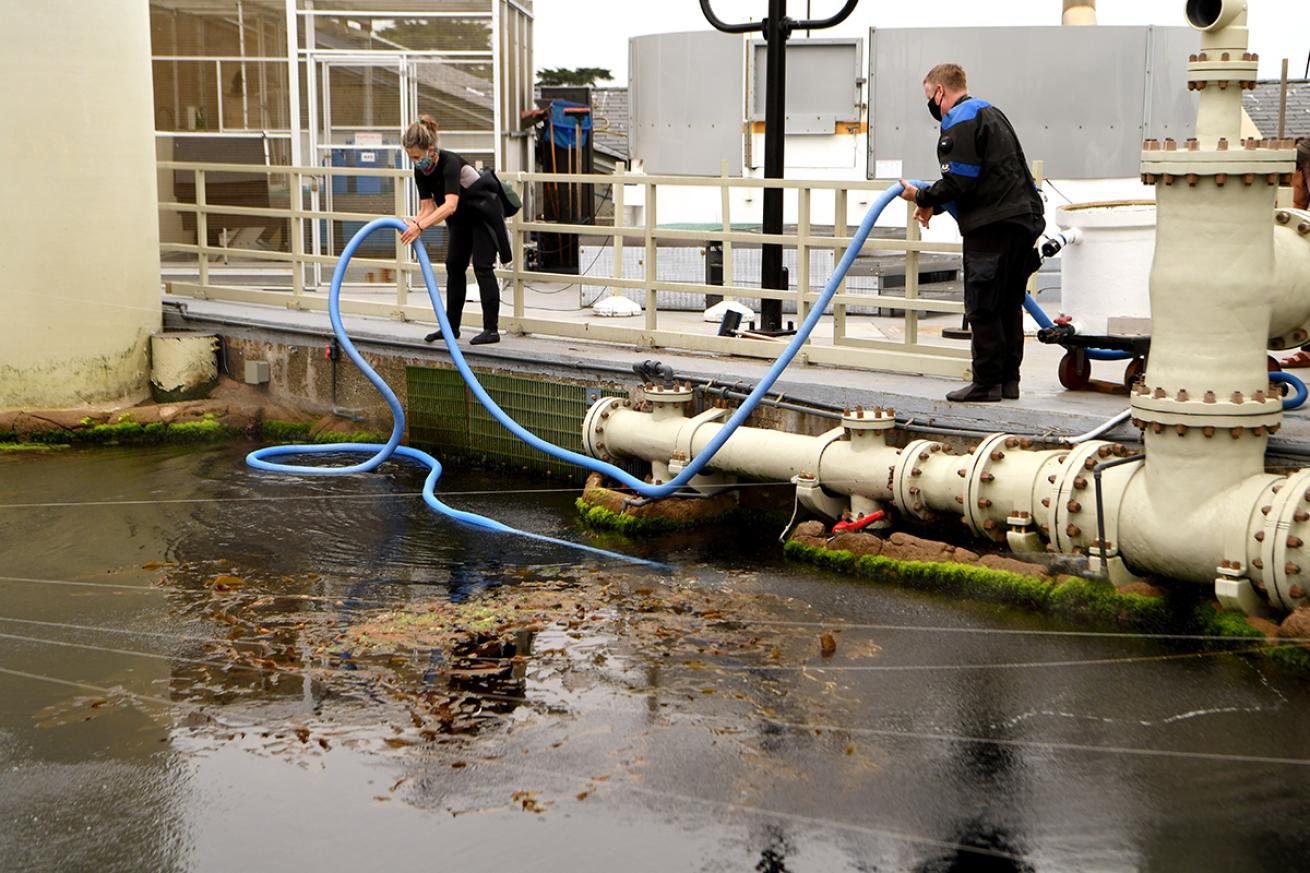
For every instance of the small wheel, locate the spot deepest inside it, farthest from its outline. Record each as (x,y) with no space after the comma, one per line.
(1135,370)
(1075,369)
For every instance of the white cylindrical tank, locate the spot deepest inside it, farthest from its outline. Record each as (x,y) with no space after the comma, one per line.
(1106,274)
(79,225)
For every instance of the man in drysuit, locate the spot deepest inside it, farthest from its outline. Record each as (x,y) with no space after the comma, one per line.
(991,192)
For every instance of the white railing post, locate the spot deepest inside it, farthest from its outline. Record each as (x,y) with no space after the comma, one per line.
(839,229)
(402,250)
(651,274)
(620,223)
(202,228)
(297,241)
(516,229)
(911,276)
(802,254)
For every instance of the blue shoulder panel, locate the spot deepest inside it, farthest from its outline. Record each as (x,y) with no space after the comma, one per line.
(963,169)
(963,112)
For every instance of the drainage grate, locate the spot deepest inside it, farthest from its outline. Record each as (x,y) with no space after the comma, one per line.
(445,418)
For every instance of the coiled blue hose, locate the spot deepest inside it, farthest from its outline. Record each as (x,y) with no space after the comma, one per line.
(379,453)
(1296,384)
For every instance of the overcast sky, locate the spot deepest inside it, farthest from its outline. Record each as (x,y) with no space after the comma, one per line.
(594,33)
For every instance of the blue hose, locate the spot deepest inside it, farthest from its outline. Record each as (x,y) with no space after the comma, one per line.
(379,453)
(1297,385)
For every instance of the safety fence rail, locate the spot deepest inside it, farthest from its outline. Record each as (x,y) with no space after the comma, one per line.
(309,232)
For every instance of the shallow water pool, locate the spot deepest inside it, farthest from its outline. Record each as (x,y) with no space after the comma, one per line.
(203,667)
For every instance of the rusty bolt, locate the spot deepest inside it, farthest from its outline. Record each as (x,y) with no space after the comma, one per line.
(1181,429)
(1103,452)
(1046,501)
(983,503)
(1075,506)
(1303,228)
(997,455)
(959,499)
(1208,430)
(923,456)
(1220,179)
(987,477)
(1235,432)
(1292,569)
(1238,397)
(1258,564)
(1051,478)
(1073,530)
(1296,592)
(1089,464)
(1157,427)
(1170,145)
(1192,179)
(1159,394)
(1182,396)
(1259,536)
(1223,143)
(1301,516)
(1282,218)
(962,472)
(1294,542)
(1258,431)
(1079,482)
(916,472)
(989,525)
(1192,58)
(891,413)
(1264,510)
(1011,442)
(914,489)
(1248,179)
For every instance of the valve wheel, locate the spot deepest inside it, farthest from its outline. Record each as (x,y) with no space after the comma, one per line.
(1075,369)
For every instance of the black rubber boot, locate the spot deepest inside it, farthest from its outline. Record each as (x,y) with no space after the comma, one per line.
(436,335)
(1010,390)
(975,393)
(487,336)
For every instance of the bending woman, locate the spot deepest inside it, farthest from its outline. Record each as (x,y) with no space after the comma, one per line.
(451,190)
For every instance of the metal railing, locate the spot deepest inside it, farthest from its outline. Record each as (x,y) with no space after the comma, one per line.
(906,354)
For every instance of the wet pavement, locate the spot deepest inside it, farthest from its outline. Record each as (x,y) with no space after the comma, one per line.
(203,667)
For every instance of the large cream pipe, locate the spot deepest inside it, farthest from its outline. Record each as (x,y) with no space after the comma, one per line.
(1224,36)
(1205,398)
(79,223)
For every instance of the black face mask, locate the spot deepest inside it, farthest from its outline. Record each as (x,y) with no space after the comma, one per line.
(934,109)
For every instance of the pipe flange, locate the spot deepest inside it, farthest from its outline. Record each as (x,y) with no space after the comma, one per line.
(1284,563)
(869,420)
(593,426)
(989,454)
(905,488)
(1071,516)
(682,441)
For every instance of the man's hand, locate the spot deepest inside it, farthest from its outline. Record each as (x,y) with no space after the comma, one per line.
(908,191)
(411,233)
(923,215)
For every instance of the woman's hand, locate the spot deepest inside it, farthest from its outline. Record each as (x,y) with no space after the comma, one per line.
(411,233)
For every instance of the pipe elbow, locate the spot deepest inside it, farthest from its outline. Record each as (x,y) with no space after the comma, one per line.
(1209,16)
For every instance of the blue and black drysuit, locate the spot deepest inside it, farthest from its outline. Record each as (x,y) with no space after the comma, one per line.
(986,180)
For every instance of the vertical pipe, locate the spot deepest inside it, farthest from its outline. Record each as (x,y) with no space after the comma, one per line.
(775,35)
(293,91)
(912,235)
(1282,102)
(241,49)
(497,84)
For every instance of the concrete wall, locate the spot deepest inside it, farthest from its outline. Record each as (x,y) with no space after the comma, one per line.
(79,232)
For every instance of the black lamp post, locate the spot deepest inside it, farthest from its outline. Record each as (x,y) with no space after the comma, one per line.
(777,27)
